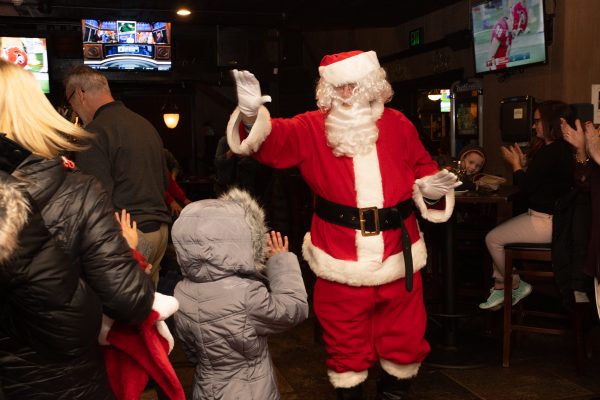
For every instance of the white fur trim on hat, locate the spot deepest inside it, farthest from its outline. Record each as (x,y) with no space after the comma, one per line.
(400,371)
(350,69)
(257,135)
(361,273)
(430,214)
(347,379)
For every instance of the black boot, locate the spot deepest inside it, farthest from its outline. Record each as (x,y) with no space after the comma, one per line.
(392,388)
(353,393)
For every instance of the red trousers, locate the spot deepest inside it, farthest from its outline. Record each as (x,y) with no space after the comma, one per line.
(364,324)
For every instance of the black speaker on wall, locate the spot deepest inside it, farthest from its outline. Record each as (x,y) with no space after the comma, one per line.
(232,47)
(516,118)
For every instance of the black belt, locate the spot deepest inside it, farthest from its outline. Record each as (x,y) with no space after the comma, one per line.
(371,221)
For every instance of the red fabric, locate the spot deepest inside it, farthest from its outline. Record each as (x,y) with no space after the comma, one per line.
(141,260)
(301,141)
(333,58)
(364,324)
(135,354)
(174,191)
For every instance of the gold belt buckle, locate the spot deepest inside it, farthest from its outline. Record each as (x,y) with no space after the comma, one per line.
(361,219)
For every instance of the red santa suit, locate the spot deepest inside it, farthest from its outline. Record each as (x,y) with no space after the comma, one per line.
(361,300)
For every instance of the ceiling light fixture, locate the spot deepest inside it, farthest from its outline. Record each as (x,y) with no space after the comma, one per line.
(434,95)
(184,12)
(170,112)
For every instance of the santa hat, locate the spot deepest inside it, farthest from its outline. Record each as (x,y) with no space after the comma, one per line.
(134,354)
(347,67)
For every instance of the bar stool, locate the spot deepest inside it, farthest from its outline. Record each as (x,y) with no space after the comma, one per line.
(515,253)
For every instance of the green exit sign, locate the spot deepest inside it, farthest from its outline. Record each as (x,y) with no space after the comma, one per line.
(415,37)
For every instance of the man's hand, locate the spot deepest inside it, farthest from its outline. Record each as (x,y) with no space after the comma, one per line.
(435,186)
(248,93)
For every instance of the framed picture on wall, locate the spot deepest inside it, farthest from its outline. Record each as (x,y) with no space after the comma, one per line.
(596,102)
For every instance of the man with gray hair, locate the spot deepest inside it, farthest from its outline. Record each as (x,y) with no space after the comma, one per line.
(126,155)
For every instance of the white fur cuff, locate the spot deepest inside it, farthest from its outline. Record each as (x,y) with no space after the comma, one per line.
(431,214)
(400,371)
(259,132)
(164,305)
(163,330)
(363,272)
(347,379)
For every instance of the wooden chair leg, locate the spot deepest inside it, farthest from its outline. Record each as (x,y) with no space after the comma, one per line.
(507,309)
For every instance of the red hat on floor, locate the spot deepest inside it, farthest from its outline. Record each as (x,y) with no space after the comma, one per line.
(351,66)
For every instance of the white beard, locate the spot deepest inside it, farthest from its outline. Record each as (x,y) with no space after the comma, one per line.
(351,130)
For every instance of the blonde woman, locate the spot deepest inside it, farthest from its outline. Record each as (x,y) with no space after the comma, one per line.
(80,217)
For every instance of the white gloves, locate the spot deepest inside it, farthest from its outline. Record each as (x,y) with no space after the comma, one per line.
(248,93)
(433,187)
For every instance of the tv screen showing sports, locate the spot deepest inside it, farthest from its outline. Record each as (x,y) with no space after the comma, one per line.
(29,53)
(126,45)
(508,34)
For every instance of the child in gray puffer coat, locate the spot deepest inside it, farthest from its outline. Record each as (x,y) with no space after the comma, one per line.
(227,306)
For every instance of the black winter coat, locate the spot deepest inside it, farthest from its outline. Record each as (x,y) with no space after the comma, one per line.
(80,216)
(62,359)
(49,317)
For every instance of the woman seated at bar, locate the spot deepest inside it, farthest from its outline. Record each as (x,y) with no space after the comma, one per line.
(548,177)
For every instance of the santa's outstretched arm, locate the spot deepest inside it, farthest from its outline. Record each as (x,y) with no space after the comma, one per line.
(427,191)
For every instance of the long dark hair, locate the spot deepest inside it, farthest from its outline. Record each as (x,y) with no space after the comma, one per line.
(551,111)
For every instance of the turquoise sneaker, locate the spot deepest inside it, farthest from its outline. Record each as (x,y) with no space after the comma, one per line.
(519,293)
(494,302)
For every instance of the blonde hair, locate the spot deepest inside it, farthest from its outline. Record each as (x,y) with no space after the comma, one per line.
(28,118)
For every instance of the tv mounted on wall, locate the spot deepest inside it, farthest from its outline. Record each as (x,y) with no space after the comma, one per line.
(31,54)
(508,34)
(126,45)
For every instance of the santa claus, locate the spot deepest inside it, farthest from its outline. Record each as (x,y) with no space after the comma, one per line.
(367,168)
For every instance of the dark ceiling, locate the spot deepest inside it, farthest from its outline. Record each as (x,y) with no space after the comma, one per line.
(291,14)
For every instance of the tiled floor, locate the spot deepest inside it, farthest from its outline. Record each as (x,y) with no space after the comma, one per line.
(541,368)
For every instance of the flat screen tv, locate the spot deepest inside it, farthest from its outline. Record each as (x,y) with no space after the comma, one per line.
(126,45)
(508,34)
(30,53)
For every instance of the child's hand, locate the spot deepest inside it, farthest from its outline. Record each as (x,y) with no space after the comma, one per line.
(128,229)
(148,269)
(275,244)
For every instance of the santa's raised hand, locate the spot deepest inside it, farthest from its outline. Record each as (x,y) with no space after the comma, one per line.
(248,92)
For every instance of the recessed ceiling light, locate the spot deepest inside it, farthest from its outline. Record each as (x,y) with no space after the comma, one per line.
(184,12)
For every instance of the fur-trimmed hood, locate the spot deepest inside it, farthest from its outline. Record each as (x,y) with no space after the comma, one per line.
(220,237)
(14,211)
